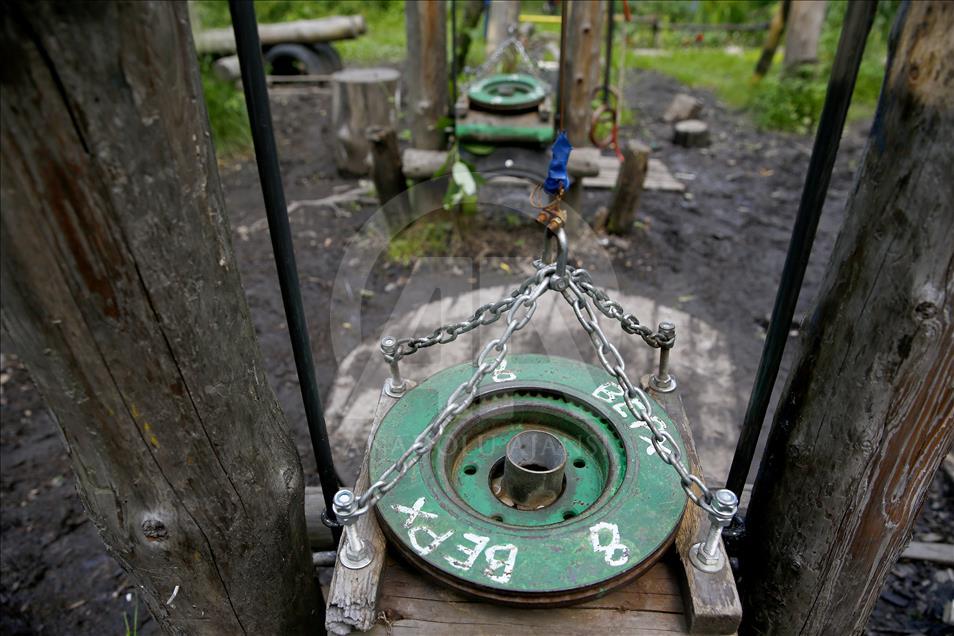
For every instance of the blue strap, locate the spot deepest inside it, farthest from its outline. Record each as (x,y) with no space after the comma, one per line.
(557,177)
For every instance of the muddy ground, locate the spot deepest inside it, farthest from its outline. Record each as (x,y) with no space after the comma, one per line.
(715,252)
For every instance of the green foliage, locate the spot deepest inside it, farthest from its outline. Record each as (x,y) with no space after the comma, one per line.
(425,237)
(227,115)
(781,101)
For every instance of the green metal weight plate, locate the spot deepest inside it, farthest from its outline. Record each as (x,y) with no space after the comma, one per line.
(512,91)
(614,514)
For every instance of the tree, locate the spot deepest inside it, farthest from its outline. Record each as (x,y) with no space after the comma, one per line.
(121,293)
(804,26)
(868,411)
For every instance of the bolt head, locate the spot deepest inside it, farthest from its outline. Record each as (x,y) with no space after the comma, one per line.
(343,498)
(388,344)
(725,502)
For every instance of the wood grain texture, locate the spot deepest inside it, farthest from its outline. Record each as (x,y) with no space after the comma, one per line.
(868,411)
(361,98)
(629,187)
(712,600)
(353,596)
(413,603)
(426,72)
(121,293)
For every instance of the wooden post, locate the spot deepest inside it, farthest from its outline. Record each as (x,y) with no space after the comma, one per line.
(360,98)
(388,176)
(473,9)
(805,21)
(581,74)
(501,15)
(868,412)
(426,73)
(772,39)
(629,187)
(122,295)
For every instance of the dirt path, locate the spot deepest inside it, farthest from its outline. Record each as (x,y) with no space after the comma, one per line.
(715,253)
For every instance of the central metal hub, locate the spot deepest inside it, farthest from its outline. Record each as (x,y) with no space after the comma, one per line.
(533,471)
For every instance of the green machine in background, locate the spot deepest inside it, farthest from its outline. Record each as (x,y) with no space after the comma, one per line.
(511,107)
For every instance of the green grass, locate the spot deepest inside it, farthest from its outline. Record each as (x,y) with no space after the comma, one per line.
(227,115)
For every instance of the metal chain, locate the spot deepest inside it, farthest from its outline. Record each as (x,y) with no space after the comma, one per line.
(462,397)
(636,399)
(614,311)
(485,315)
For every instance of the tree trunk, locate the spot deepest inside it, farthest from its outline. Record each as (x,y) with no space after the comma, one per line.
(868,412)
(473,9)
(360,98)
(121,293)
(581,65)
(772,39)
(501,15)
(805,21)
(426,24)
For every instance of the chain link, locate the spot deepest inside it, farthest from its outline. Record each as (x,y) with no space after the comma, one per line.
(579,287)
(525,296)
(637,402)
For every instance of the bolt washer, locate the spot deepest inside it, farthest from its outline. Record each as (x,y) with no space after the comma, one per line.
(615,517)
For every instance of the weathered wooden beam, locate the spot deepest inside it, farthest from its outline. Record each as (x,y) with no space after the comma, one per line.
(711,599)
(353,596)
(942,553)
(338,27)
(122,295)
(426,72)
(866,417)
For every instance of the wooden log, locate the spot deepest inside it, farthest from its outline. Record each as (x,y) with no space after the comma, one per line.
(227,68)
(122,295)
(629,187)
(502,15)
(426,73)
(866,416)
(805,21)
(682,107)
(690,133)
(581,65)
(388,177)
(772,39)
(338,27)
(353,596)
(360,98)
(711,599)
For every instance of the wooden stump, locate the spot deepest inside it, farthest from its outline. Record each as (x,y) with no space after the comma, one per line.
(629,187)
(361,97)
(388,176)
(682,107)
(690,133)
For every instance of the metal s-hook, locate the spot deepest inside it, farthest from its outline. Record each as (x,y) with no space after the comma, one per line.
(558,280)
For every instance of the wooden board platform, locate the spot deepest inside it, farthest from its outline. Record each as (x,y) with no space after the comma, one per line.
(658,176)
(411,602)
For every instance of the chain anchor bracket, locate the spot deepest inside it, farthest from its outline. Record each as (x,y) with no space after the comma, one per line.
(706,555)
(662,380)
(395,386)
(355,554)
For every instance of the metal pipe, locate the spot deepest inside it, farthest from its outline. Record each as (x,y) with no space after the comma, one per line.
(611,11)
(533,470)
(260,118)
(858,19)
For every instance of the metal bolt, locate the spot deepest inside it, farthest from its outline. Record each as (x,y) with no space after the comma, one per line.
(662,381)
(395,386)
(355,553)
(706,555)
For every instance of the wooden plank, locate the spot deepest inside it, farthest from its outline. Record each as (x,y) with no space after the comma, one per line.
(413,602)
(712,600)
(658,176)
(352,597)
(942,553)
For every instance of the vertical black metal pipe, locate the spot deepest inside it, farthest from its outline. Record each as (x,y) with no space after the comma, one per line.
(266,156)
(610,25)
(851,45)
